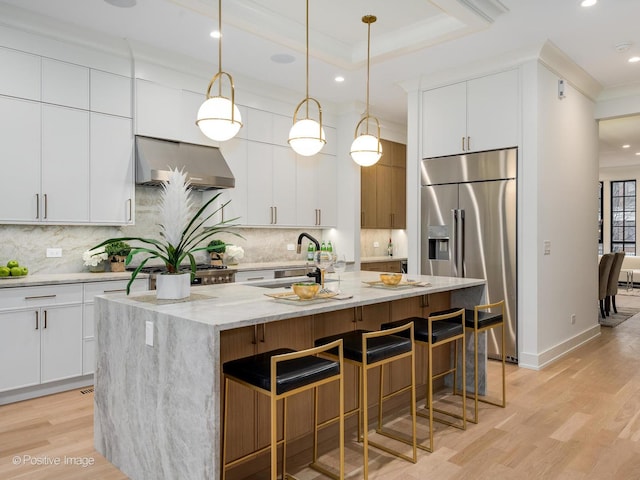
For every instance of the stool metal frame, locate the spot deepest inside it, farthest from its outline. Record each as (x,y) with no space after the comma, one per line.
(362,408)
(274,397)
(476,333)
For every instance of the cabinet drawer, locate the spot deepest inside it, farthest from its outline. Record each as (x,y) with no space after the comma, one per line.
(254,275)
(24,297)
(112,286)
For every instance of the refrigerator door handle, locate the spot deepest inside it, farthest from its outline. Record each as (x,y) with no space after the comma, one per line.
(460,236)
(454,243)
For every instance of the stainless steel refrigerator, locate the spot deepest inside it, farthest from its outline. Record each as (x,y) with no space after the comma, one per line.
(468,208)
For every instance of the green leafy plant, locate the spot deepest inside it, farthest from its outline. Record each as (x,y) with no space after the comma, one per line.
(217,246)
(181,234)
(119,248)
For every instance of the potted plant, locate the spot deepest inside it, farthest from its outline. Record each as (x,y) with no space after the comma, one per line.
(93,259)
(117,252)
(216,249)
(181,235)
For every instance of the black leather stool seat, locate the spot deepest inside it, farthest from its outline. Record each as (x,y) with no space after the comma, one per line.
(291,374)
(378,348)
(485,318)
(440,330)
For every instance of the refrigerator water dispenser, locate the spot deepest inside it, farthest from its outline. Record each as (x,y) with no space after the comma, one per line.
(438,242)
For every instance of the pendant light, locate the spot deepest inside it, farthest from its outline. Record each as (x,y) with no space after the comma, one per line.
(366,149)
(306,136)
(219,117)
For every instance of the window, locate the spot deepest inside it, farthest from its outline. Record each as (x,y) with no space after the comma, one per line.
(623,216)
(600,190)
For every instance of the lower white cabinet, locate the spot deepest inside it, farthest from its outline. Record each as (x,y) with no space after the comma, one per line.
(40,335)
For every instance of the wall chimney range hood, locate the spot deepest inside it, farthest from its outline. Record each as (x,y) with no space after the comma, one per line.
(206,167)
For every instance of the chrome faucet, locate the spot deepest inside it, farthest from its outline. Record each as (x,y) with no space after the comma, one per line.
(317,273)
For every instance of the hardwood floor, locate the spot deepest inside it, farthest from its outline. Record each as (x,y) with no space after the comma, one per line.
(577,419)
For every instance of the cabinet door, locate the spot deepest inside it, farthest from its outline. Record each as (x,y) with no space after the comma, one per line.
(110,93)
(235,152)
(112,182)
(61,343)
(259,184)
(88,340)
(284,185)
(327,190)
(307,180)
(399,197)
(158,110)
(189,131)
(368,214)
(384,196)
(65,164)
(492,109)
(65,84)
(19,349)
(20,151)
(444,119)
(260,126)
(24,81)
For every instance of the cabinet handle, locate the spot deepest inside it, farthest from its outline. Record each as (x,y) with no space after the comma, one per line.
(468,144)
(37,326)
(263,333)
(115,291)
(275,221)
(425,301)
(271,221)
(130,210)
(45,319)
(255,335)
(463,144)
(37,205)
(255,278)
(319,216)
(35,297)
(45,206)
(361,218)
(392,219)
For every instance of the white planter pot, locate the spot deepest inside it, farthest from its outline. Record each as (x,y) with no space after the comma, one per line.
(173,286)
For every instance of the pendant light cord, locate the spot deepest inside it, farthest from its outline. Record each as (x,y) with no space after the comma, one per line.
(307,46)
(220,45)
(368,69)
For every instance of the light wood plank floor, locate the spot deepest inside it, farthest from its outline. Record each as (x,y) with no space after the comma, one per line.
(577,419)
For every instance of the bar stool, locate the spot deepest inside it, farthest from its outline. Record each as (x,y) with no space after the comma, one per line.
(367,350)
(479,320)
(280,374)
(439,329)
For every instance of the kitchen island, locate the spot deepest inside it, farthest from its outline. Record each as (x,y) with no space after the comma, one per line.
(157,407)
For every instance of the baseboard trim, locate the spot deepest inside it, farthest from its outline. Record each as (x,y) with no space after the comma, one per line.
(20,394)
(541,360)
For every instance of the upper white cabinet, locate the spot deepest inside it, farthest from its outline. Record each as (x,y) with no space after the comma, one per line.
(67,165)
(476,115)
(110,93)
(158,110)
(317,192)
(65,84)
(24,78)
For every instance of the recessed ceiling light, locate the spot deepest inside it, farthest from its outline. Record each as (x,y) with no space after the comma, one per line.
(282,58)
(122,3)
(339,79)
(626,146)
(215,34)
(638,153)
(634,59)
(588,3)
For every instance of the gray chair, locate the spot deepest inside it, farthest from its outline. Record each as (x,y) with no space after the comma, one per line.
(604,270)
(612,284)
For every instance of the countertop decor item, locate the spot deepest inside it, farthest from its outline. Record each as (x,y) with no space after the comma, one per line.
(181,232)
(117,252)
(390,278)
(233,254)
(93,258)
(216,249)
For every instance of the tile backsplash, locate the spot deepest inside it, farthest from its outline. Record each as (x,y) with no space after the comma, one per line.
(28,243)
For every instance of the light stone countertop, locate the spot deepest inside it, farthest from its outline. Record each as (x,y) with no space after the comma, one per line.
(61,278)
(233,305)
(384,258)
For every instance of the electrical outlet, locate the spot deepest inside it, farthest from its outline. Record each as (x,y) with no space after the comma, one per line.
(291,247)
(573,319)
(376,244)
(54,252)
(547,247)
(148,333)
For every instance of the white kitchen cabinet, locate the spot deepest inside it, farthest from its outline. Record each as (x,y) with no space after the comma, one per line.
(90,290)
(111,170)
(316,190)
(271,184)
(24,79)
(476,115)
(158,110)
(190,103)
(20,151)
(65,165)
(65,84)
(110,93)
(259,126)
(40,335)
(235,152)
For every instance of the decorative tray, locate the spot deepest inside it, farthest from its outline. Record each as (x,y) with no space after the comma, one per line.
(8,277)
(292,297)
(402,284)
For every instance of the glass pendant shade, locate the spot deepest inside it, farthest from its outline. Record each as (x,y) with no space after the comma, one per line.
(366,150)
(306,137)
(219,119)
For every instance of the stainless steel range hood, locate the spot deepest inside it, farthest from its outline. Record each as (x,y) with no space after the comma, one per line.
(206,167)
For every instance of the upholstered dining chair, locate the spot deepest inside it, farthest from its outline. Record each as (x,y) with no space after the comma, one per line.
(604,269)
(612,283)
